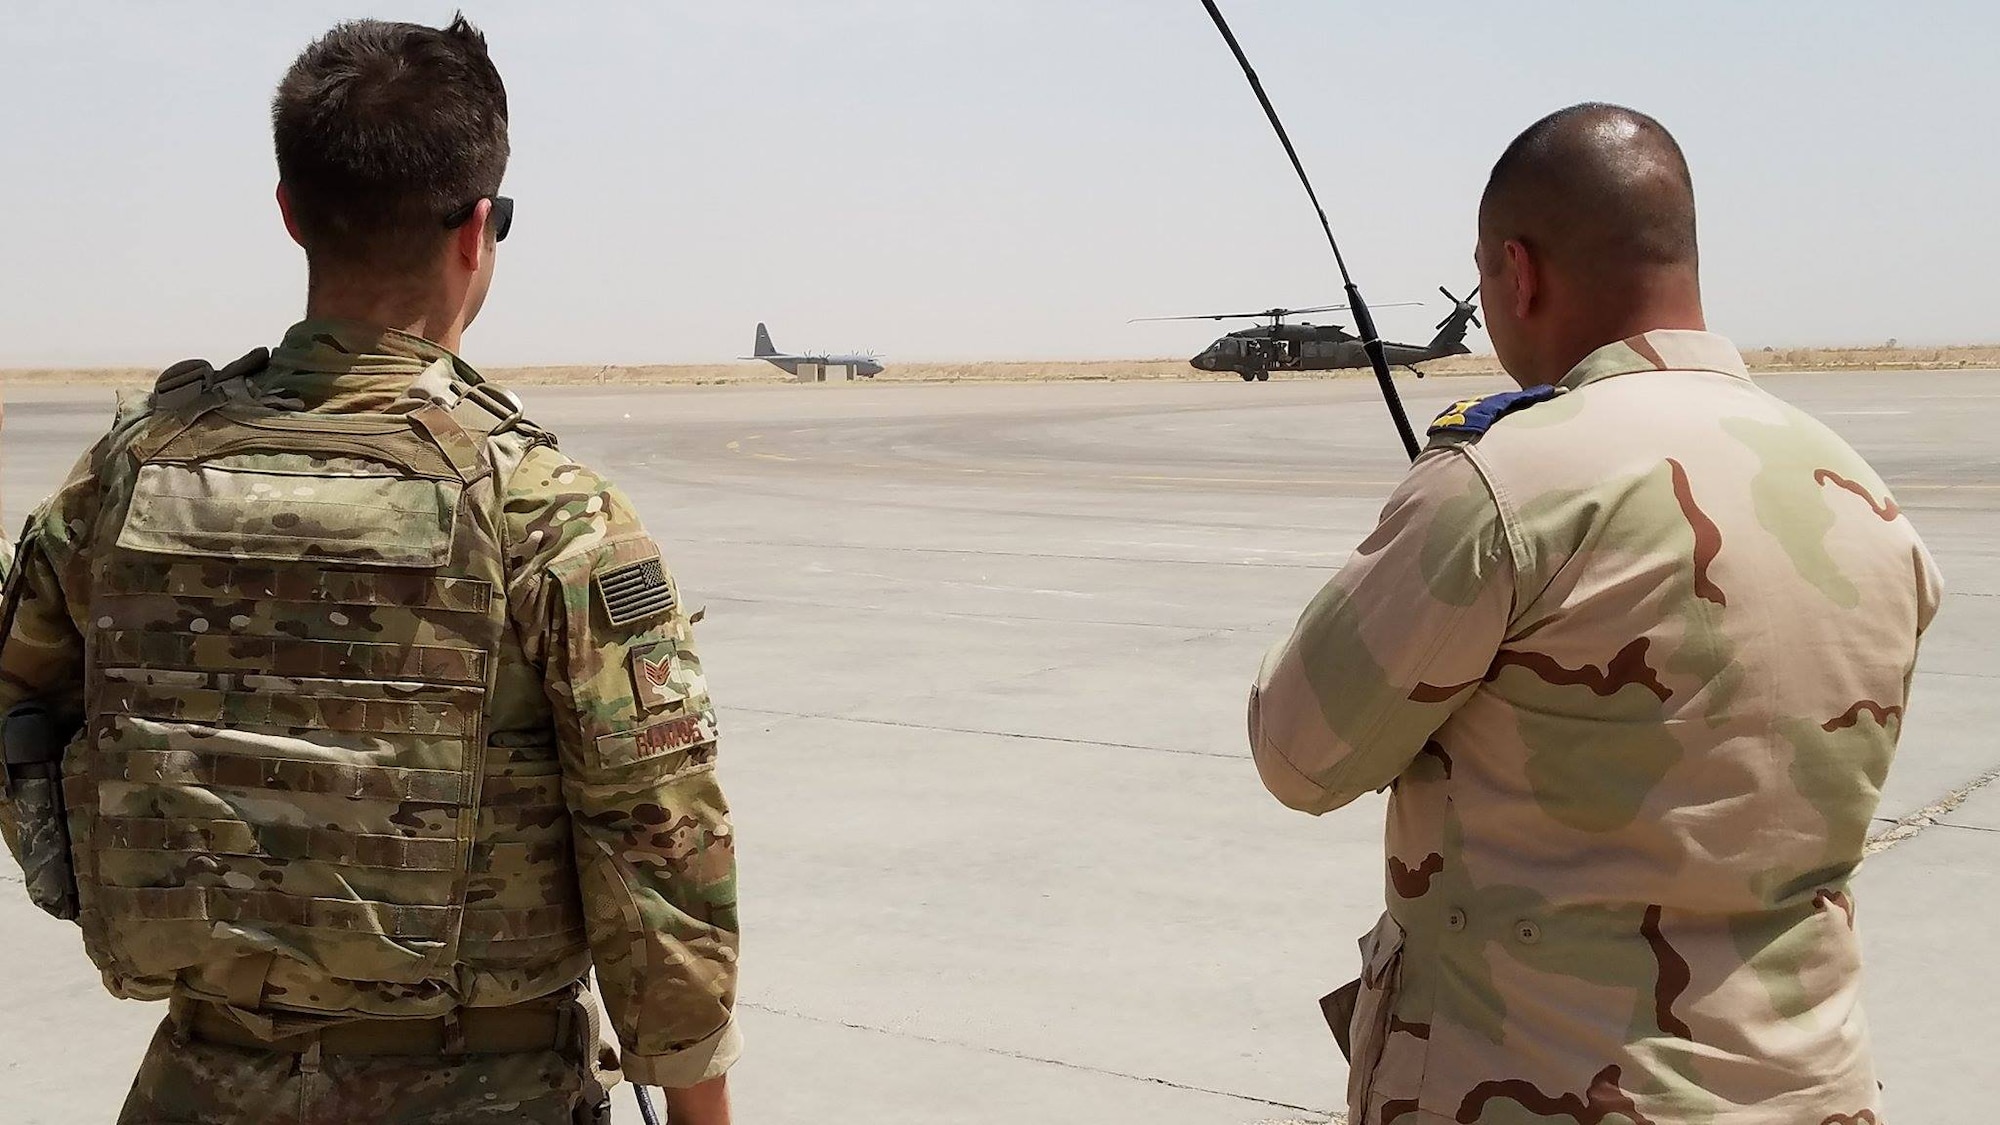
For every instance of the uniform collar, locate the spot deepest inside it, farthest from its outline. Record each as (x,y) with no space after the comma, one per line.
(1663,349)
(344,366)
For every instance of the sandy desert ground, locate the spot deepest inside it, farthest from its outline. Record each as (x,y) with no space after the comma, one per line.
(1954,357)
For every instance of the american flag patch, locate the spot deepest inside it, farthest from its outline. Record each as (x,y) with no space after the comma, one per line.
(634,592)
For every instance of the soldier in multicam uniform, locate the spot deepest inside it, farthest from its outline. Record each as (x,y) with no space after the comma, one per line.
(1630,647)
(387,722)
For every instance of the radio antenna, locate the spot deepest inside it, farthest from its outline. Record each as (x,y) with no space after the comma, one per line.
(1364,321)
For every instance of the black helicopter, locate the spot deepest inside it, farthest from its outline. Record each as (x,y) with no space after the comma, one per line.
(1254,353)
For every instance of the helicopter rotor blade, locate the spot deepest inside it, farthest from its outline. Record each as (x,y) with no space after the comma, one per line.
(1203,316)
(1261,314)
(1342,308)
(1267,314)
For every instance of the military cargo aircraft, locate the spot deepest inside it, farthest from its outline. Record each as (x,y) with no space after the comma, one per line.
(814,368)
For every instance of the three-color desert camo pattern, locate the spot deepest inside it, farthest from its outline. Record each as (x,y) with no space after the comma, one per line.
(1632,662)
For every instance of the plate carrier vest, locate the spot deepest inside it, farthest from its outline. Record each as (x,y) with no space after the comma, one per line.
(296,623)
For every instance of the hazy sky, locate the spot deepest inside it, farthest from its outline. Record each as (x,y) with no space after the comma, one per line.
(1012,178)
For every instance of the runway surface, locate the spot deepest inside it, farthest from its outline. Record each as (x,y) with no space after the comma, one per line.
(982,652)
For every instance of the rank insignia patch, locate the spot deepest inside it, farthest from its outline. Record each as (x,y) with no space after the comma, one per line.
(653,677)
(634,592)
(1477,415)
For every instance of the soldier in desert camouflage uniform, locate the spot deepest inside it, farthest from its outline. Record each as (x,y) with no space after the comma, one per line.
(388,723)
(1631,648)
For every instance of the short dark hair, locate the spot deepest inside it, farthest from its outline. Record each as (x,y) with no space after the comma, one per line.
(1598,187)
(382,129)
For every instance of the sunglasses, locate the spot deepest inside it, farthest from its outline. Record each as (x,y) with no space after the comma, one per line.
(501,218)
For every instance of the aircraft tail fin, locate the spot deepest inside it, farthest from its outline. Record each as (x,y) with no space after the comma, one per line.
(764,347)
(1451,336)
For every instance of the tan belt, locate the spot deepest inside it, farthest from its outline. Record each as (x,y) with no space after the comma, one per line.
(534,1026)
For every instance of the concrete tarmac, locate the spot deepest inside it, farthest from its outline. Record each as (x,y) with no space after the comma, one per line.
(981,654)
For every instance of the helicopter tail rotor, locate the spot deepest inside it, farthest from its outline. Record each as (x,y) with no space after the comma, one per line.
(1464,307)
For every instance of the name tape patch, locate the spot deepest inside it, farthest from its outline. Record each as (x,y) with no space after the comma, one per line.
(670,735)
(634,592)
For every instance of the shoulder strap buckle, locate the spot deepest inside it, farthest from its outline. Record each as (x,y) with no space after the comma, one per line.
(192,388)
(499,402)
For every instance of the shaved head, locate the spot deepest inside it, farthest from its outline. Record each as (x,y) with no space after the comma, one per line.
(1596,188)
(1586,235)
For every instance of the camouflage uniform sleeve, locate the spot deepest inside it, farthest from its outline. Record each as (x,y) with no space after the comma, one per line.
(1930,590)
(47,583)
(1391,646)
(655,854)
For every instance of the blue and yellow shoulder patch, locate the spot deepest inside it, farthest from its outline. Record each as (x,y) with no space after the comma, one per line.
(1477,415)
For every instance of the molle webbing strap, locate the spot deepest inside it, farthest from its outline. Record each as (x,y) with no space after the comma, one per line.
(466,452)
(241,771)
(284,656)
(243,709)
(278,908)
(219,578)
(234,430)
(164,429)
(228,904)
(277,841)
(541,1024)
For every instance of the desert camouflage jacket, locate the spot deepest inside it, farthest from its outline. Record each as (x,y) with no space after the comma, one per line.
(601,836)
(1632,659)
